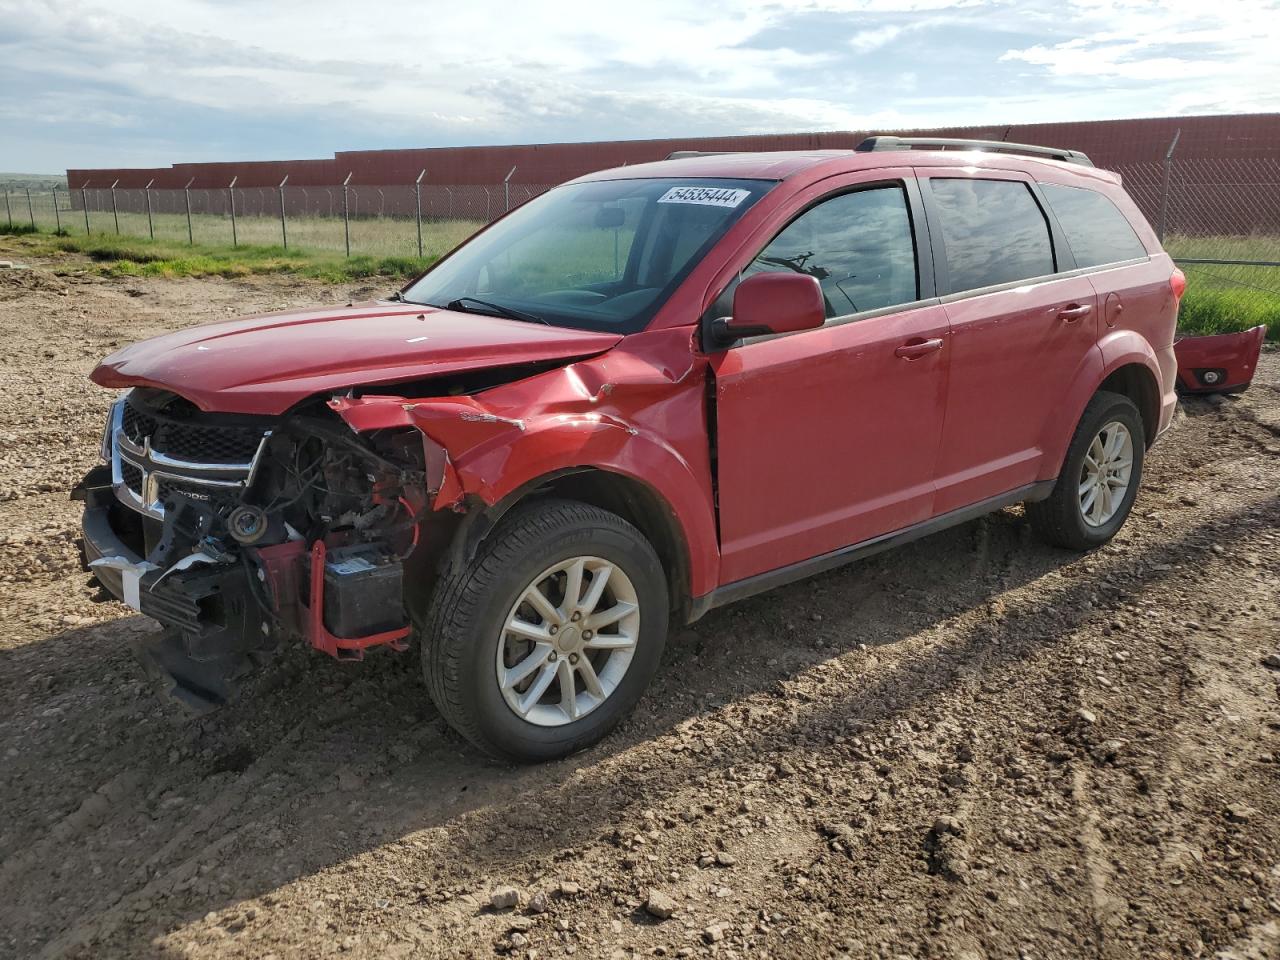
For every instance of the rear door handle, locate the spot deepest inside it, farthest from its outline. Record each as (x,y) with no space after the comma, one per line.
(917,348)
(1074,311)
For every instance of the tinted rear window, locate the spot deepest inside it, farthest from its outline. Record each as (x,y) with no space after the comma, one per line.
(993,230)
(1096,229)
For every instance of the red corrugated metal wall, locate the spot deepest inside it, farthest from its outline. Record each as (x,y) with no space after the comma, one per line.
(1111,143)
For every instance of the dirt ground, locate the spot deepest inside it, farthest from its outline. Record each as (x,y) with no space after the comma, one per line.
(972,747)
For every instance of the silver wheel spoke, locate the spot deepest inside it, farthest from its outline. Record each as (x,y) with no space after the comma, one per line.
(607,618)
(568,695)
(610,641)
(517,674)
(572,587)
(1096,513)
(590,680)
(536,632)
(1086,504)
(1088,484)
(531,696)
(1096,449)
(546,609)
(599,580)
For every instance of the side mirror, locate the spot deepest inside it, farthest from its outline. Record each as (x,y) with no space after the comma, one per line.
(772,303)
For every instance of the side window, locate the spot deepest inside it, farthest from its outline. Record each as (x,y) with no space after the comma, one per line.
(994,232)
(1096,229)
(858,245)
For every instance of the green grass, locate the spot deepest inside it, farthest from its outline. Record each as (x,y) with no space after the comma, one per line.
(1209,310)
(141,257)
(1224,298)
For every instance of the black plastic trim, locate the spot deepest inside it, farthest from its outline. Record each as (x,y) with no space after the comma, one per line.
(770,579)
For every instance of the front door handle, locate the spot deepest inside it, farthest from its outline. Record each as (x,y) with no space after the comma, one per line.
(1074,311)
(915,349)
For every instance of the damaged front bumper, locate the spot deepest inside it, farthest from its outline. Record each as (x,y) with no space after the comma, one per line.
(215,622)
(1221,363)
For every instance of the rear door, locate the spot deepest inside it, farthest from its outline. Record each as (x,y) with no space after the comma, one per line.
(1020,332)
(827,437)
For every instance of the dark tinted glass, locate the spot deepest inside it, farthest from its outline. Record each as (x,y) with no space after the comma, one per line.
(994,232)
(858,245)
(1096,229)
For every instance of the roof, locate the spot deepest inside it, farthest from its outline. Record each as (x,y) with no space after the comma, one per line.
(782,165)
(776,165)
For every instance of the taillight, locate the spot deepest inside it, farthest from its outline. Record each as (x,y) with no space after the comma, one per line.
(1178,283)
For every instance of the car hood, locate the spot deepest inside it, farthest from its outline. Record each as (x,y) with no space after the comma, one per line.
(265,364)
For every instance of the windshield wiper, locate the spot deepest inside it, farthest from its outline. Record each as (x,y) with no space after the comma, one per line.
(509,312)
(397,297)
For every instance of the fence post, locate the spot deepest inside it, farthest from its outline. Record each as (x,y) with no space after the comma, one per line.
(186,191)
(114,212)
(146,192)
(231,198)
(417,197)
(1164,190)
(30,212)
(57,214)
(346,219)
(506,191)
(284,234)
(84,202)
(7,209)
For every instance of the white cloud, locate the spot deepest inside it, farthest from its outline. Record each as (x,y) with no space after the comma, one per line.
(490,70)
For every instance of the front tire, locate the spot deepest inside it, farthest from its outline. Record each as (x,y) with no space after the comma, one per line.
(1100,476)
(549,636)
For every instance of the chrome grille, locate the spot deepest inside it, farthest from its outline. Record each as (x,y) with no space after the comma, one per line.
(153,457)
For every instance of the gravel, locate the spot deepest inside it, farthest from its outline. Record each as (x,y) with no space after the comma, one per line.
(909,773)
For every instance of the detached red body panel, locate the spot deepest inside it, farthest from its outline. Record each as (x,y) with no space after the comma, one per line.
(1222,363)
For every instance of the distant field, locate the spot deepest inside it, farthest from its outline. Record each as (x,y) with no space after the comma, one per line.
(373,236)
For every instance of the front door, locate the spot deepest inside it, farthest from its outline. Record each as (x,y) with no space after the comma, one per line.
(828,437)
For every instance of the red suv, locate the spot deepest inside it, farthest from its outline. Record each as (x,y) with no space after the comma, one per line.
(651,391)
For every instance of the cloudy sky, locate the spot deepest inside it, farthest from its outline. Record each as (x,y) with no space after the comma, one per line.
(143,83)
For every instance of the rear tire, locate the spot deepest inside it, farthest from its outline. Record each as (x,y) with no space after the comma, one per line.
(503,640)
(1100,476)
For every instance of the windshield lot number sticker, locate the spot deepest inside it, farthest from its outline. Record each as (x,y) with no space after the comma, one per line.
(707,196)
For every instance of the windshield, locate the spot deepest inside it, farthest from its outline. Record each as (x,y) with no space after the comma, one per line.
(596,256)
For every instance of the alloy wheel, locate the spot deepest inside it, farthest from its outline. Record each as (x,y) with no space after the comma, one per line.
(568,640)
(1106,474)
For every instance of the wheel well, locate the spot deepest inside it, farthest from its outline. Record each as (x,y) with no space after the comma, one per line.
(640,506)
(1136,382)
(630,499)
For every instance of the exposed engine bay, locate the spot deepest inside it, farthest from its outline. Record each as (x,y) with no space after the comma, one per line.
(240,532)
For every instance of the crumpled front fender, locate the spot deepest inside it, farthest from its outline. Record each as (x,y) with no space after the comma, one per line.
(640,414)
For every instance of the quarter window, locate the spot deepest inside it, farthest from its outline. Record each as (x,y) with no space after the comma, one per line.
(859,247)
(993,230)
(1096,229)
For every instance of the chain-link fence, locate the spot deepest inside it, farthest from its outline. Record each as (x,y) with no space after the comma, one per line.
(1219,218)
(392,220)
(1220,221)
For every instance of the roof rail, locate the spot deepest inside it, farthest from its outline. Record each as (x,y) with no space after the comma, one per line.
(682,154)
(877,144)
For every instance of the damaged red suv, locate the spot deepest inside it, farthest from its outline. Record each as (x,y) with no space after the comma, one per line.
(651,391)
